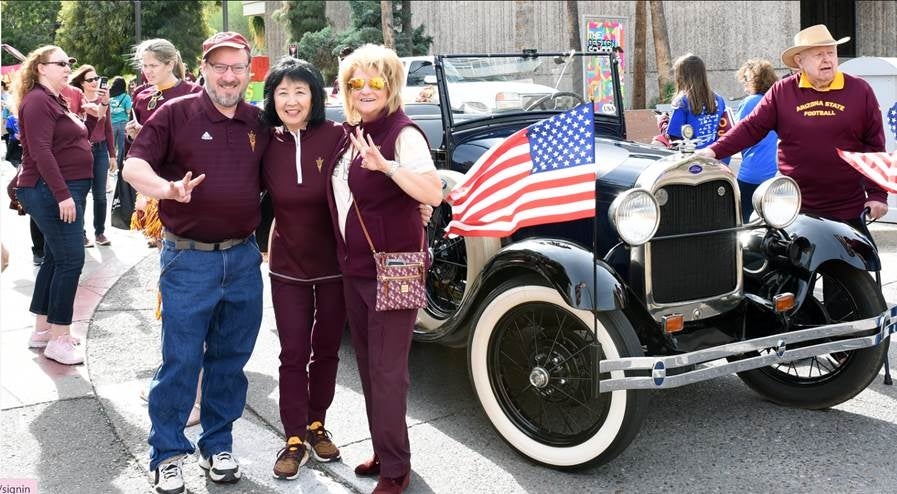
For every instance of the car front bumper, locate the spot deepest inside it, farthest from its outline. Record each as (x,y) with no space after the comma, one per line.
(678,370)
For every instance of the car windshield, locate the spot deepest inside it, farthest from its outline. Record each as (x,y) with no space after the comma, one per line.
(500,84)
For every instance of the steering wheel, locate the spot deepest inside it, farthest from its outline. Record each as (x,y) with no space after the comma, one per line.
(554,96)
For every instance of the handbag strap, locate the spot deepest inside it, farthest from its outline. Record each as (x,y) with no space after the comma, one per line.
(368,236)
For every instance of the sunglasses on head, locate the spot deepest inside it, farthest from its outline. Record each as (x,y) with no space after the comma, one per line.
(357,83)
(61,63)
(154,99)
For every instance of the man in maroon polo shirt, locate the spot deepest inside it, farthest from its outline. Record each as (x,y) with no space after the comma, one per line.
(200,155)
(815,111)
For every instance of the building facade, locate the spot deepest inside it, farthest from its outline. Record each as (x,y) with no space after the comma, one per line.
(723,34)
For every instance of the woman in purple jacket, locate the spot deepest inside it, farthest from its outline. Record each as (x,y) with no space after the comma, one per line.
(306,284)
(385,172)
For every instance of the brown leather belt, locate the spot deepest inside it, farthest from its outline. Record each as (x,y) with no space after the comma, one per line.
(181,243)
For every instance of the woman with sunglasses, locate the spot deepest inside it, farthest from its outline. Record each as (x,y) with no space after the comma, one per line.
(380,179)
(102,144)
(55,175)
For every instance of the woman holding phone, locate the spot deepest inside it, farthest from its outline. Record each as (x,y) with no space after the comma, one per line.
(102,144)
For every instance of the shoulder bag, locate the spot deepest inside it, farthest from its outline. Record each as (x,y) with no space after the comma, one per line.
(401,276)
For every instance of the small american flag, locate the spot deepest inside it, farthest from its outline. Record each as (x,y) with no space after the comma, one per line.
(541,174)
(881,168)
(892,120)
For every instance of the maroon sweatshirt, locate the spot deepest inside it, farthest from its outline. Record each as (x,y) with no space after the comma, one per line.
(101,130)
(303,243)
(54,143)
(811,125)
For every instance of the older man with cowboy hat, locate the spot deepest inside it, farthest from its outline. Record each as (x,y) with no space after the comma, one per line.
(816,111)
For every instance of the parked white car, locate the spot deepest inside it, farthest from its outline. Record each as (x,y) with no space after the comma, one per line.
(477,85)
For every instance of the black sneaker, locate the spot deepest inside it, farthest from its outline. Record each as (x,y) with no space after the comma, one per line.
(169,479)
(222,467)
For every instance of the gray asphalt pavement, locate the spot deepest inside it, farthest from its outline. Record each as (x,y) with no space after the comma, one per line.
(84,429)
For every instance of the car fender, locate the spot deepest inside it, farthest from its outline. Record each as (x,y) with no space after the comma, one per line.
(833,240)
(563,265)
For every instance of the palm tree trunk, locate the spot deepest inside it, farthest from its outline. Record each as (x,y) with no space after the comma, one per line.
(661,46)
(640,59)
(574,43)
(386,23)
(523,24)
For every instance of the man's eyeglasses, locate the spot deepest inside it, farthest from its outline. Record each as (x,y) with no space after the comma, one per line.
(61,63)
(237,68)
(357,84)
(154,100)
(91,79)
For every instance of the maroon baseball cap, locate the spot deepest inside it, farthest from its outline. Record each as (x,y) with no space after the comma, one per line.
(229,39)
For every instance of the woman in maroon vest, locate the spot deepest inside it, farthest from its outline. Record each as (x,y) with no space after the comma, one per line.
(306,284)
(386,171)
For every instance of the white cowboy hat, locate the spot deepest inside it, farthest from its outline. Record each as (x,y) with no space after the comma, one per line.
(817,35)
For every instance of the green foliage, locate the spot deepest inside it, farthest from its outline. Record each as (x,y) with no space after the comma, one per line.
(28,25)
(322,45)
(101,33)
(317,48)
(98,33)
(302,16)
(236,22)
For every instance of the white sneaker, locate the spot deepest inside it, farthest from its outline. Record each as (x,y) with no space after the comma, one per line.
(222,467)
(169,479)
(64,349)
(39,339)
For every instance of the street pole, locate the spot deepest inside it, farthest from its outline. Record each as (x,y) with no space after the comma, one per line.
(224,15)
(137,21)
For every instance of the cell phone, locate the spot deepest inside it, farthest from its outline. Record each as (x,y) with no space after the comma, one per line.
(104,82)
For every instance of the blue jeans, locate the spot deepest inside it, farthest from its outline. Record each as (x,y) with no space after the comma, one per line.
(747,193)
(57,279)
(211,300)
(98,190)
(119,134)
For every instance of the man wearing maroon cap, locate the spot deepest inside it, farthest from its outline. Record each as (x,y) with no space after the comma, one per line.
(200,155)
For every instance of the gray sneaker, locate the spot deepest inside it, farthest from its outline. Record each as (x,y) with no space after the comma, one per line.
(169,479)
(222,467)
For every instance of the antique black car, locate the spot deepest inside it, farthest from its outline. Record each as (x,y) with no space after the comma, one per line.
(568,325)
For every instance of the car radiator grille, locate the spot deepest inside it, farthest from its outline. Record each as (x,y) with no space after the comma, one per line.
(695,267)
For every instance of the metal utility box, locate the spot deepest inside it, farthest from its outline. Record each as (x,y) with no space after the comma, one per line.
(881,74)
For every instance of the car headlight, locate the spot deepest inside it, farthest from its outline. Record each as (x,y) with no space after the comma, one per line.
(636,215)
(777,201)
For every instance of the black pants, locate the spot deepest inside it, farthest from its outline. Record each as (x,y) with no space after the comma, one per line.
(37,239)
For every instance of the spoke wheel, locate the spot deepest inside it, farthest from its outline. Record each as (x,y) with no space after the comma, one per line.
(447,276)
(839,293)
(534,367)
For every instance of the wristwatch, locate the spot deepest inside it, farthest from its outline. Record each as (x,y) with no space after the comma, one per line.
(392,168)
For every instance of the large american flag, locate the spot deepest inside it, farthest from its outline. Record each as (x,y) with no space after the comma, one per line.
(541,174)
(881,168)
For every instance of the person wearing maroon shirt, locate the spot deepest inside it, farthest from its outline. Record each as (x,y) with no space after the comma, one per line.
(54,178)
(99,132)
(385,172)
(306,283)
(210,278)
(815,112)
(160,63)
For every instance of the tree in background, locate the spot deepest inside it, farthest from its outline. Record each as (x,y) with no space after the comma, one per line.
(321,47)
(101,33)
(302,16)
(236,21)
(28,25)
